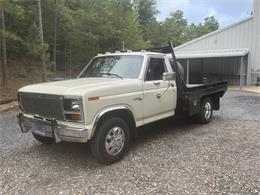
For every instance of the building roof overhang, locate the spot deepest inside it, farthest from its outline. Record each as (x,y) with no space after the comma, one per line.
(240,52)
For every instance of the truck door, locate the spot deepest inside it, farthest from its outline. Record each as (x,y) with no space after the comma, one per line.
(159,96)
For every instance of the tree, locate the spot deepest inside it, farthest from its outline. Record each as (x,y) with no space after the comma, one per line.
(1,68)
(151,28)
(175,28)
(210,24)
(55,37)
(43,53)
(146,10)
(38,31)
(3,45)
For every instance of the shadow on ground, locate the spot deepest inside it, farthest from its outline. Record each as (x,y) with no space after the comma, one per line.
(82,152)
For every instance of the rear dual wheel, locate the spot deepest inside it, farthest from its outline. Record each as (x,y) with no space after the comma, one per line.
(206,111)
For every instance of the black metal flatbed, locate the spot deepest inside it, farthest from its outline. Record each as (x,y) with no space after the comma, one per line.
(189,97)
(193,94)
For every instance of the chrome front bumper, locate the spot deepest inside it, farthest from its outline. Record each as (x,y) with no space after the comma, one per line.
(51,128)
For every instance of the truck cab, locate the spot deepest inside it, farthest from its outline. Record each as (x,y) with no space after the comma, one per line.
(113,95)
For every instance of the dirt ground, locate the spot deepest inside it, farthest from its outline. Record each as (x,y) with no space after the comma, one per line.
(20,75)
(169,157)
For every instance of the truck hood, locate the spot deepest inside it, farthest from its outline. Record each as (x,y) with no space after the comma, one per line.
(74,86)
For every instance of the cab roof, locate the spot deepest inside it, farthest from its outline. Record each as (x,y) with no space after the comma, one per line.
(143,53)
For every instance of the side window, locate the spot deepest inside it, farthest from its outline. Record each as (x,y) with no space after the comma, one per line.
(155,70)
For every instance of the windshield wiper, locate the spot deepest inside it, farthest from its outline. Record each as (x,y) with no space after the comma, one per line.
(110,74)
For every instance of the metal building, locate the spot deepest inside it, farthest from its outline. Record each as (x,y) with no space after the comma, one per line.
(231,53)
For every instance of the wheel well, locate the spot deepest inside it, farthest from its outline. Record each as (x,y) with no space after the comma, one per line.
(125,114)
(215,98)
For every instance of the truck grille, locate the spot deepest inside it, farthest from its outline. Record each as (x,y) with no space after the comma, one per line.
(44,105)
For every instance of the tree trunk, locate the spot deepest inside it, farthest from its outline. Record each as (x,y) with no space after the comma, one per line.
(1,68)
(70,71)
(3,41)
(41,39)
(55,37)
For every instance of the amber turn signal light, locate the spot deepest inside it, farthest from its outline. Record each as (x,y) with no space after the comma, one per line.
(93,98)
(73,117)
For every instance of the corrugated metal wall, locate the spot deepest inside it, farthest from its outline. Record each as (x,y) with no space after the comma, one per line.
(230,38)
(245,34)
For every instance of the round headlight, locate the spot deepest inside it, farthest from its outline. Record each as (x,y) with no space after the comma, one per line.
(75,105)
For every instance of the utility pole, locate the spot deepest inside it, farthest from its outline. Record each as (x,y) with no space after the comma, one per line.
(3,41)
(55,37)
(41,39)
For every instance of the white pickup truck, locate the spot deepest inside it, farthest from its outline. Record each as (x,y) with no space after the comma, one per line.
(113,95)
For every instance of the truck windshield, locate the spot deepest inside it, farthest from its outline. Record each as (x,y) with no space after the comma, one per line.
(121,66)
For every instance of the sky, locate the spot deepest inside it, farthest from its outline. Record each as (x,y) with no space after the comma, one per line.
(226,11)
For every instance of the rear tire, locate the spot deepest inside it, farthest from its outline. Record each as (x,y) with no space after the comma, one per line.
(206,110)
(42,139)
(111,140)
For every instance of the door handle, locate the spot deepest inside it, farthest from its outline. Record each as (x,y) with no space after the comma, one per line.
(156,83)
(138,99)
(158,95)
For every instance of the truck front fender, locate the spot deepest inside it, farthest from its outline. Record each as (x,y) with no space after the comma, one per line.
(120,111)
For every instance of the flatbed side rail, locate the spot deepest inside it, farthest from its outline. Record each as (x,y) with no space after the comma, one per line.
(204,90)
(207,89)
(208,85)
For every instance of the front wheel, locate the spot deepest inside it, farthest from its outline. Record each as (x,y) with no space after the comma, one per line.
(206,111)
(111,140)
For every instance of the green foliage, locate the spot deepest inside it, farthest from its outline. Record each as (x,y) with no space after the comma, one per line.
(175,28)
(147,12)
(210,24)
(87,27)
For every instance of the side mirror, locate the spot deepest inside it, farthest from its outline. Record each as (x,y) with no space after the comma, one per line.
(169,76)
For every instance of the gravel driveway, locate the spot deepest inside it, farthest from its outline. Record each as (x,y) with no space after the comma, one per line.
(171,156)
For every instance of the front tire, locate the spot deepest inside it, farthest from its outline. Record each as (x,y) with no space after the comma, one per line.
(42,139)
(206,111)
(111,140)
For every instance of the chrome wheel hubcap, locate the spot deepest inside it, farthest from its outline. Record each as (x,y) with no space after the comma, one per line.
(207,110)
(115,140)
